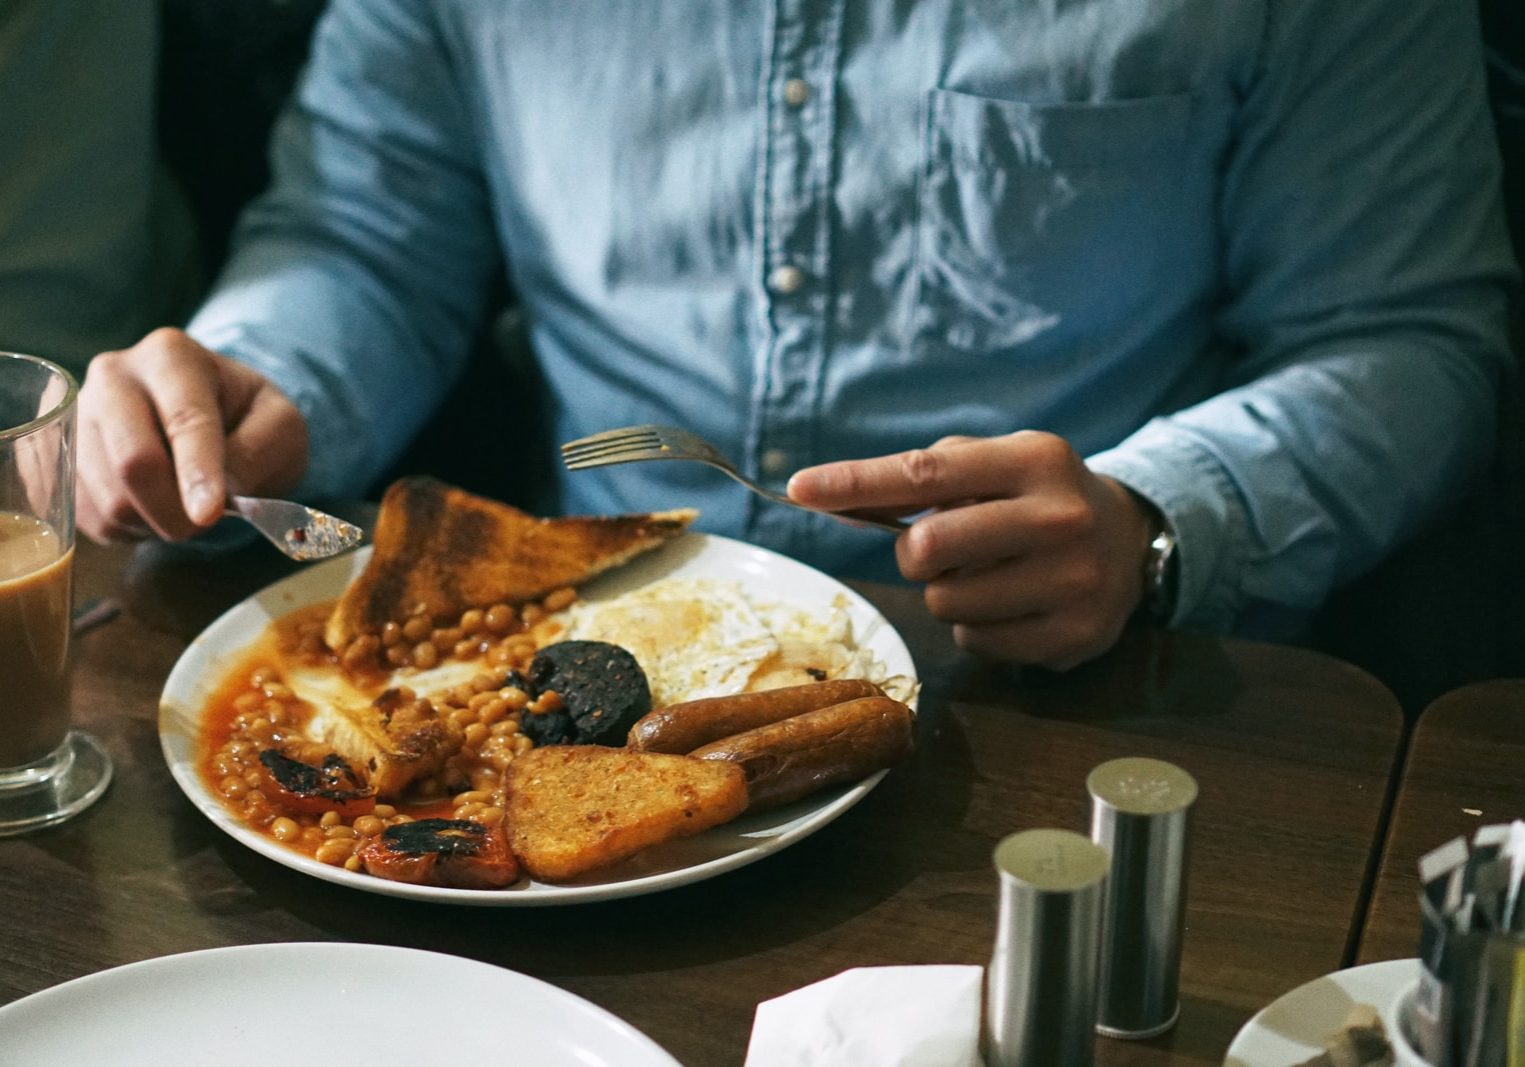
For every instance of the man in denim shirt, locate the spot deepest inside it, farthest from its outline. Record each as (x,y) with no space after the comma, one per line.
(1058,277)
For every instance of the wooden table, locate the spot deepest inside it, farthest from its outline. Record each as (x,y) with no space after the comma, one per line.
(1465,769)
(1293,752)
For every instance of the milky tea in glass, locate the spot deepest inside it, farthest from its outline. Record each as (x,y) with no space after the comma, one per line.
(36,570)
(48,771)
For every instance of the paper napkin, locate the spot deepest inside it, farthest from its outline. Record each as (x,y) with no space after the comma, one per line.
(926,1016)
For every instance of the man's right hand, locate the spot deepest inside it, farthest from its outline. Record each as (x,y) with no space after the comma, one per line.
(168,428)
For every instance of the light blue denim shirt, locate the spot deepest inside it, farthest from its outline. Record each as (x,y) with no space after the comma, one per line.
(1246,255)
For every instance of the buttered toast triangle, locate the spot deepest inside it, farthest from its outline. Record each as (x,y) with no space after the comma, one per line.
(576,808)
(447,550)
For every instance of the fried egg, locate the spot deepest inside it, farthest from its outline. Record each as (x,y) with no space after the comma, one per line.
(704,637)
(693,637)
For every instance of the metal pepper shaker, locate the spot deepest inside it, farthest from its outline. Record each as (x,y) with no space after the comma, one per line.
(1140,813)
(1041,994)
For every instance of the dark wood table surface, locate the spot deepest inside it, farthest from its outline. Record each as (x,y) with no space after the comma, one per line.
(1465,769)
(1293,753)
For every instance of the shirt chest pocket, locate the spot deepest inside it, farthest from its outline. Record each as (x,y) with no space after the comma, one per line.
(1025,210)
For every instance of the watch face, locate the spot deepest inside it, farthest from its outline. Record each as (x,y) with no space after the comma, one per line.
(1160,577)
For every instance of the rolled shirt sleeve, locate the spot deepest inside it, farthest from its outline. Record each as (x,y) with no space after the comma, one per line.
(1368,273)
(360,280)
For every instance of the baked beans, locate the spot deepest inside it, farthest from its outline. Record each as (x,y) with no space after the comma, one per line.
(255,710)
(497,632)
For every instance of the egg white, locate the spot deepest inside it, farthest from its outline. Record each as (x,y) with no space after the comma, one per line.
(693,637)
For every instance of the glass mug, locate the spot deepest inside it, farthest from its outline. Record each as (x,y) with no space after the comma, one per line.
(48,772)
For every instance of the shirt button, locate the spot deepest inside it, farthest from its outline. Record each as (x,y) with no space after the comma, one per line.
(775,461)
(786,279)
(796,92)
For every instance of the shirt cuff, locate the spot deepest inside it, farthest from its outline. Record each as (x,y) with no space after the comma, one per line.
(1181,477)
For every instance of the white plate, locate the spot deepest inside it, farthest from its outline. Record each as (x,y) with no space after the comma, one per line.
(1292,1029)
(762,574)
(315,1005)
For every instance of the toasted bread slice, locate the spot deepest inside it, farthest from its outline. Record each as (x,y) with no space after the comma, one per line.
(445,550)
(576,808)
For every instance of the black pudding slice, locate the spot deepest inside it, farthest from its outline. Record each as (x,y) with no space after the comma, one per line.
(602,688)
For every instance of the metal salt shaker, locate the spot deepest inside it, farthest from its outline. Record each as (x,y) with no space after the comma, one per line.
(1041,993)
(1140,811)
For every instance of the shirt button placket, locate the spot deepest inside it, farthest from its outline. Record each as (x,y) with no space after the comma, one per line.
(795,246)
(776,463)
(786,280)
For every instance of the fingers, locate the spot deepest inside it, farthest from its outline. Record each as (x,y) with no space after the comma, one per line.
(955,470)
(103,511)
(976,534)
(90,520)
(151,440)
(125,468)
(1053,609)
(1017,589)
(267,448)
(906,481)
(1057,642)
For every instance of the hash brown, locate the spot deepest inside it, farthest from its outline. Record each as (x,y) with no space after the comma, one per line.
(577,808)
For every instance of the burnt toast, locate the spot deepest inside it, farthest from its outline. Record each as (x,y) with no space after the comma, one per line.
(440,550)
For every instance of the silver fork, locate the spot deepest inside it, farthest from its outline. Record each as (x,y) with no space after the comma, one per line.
(633,444)
(303,533)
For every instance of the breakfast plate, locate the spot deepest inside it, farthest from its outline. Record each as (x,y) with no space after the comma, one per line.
(261,1004)
(1292,1029)
(765,575)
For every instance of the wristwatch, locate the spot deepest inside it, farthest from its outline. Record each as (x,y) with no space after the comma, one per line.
(1159,604)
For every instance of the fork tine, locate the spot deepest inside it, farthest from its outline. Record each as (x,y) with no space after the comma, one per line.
(630,444)
(692,445)
(590,443)
(613,448)
(622,454)
(573,448)
(617,434)
(607,459)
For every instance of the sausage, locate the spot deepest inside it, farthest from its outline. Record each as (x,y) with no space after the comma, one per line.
(681,728)
(792,758)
